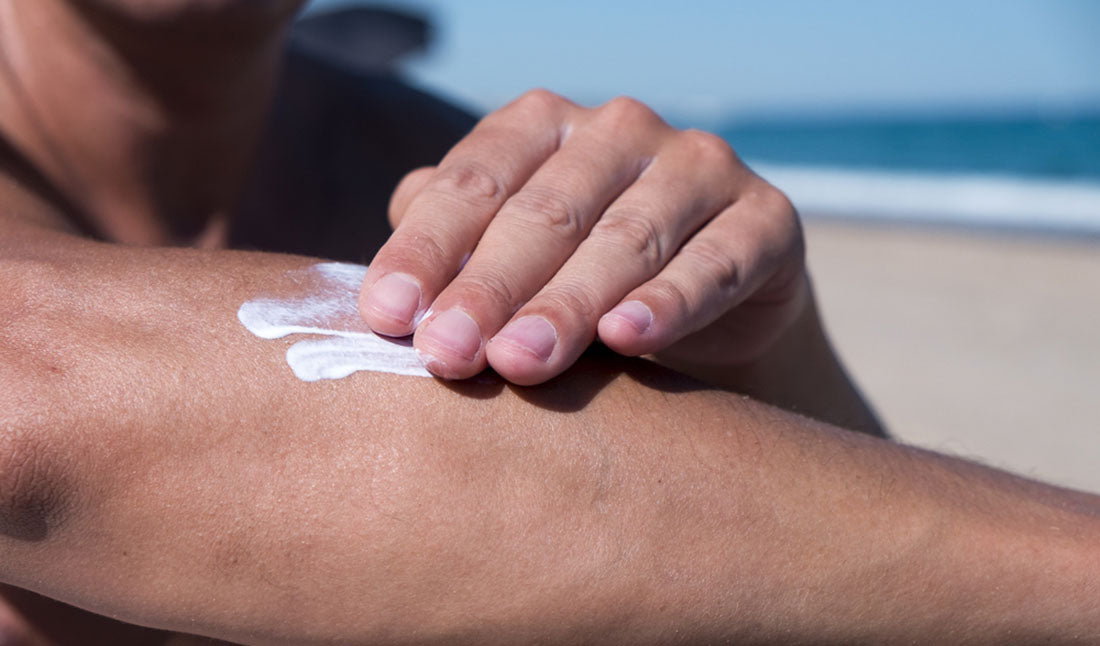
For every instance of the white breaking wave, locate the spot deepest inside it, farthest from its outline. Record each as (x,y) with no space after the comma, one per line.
(967,199)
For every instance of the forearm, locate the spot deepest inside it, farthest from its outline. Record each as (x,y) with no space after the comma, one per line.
(185,479)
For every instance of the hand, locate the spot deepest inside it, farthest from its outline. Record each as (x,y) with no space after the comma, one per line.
(550,224)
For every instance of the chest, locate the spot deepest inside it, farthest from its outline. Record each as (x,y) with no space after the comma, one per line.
(336,144)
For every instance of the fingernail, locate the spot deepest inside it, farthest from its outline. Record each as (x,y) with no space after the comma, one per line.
(395,296)
(452,332)
(421,316)
(636,313)
(531,333)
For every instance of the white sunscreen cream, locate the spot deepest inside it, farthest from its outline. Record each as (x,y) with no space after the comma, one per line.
(323,301)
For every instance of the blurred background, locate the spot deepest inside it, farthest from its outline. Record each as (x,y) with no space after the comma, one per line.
(945,155)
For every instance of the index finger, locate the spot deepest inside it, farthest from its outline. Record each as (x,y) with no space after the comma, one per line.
(445,220)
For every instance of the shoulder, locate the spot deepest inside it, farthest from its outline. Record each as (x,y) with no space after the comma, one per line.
(338,140)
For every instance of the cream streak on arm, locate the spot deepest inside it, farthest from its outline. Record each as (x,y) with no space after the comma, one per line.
(323,300)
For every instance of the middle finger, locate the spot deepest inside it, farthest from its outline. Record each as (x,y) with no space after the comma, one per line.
(534,233)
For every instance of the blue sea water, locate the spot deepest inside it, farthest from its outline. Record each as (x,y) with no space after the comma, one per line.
(1066,148)
(1015,172)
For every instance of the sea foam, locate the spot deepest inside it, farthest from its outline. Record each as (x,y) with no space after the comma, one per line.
(1001,201)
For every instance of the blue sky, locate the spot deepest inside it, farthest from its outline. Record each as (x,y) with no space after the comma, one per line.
(706,58)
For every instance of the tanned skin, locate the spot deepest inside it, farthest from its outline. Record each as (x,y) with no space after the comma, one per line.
(162,466)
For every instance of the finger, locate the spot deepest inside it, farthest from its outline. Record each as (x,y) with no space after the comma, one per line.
(632,241)
(738,253)
(15,629)
(445,219)
(409,186)
(529,240)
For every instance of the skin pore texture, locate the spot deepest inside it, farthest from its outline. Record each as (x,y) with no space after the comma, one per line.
(191,482)
(160,464)
(326,304)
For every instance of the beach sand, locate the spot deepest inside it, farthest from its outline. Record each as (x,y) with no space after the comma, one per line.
(978,344)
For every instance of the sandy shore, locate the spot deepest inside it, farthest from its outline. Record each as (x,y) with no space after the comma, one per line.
(981,345)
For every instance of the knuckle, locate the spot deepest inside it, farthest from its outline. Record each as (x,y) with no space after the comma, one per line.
(789,224)
(549,209)
(414,177)
(716,263)
(412,182)
(634,230)
(417,253)
(628,113)
(540,102)
(782,218)
(494,285)
(710,148)
(795,244)
(774,200)
(469,182)
(574,300)
(671,296)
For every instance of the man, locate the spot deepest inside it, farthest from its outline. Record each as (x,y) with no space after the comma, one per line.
(161,466)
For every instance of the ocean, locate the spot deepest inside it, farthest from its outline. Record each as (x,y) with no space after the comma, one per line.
(1021,173)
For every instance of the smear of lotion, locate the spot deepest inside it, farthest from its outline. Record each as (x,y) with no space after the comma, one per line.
(324,301)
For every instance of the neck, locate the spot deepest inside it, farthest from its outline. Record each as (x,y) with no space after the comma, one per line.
(146,122)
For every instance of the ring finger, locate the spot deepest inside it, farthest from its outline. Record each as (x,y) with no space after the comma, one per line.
(633,240)
(526,243)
